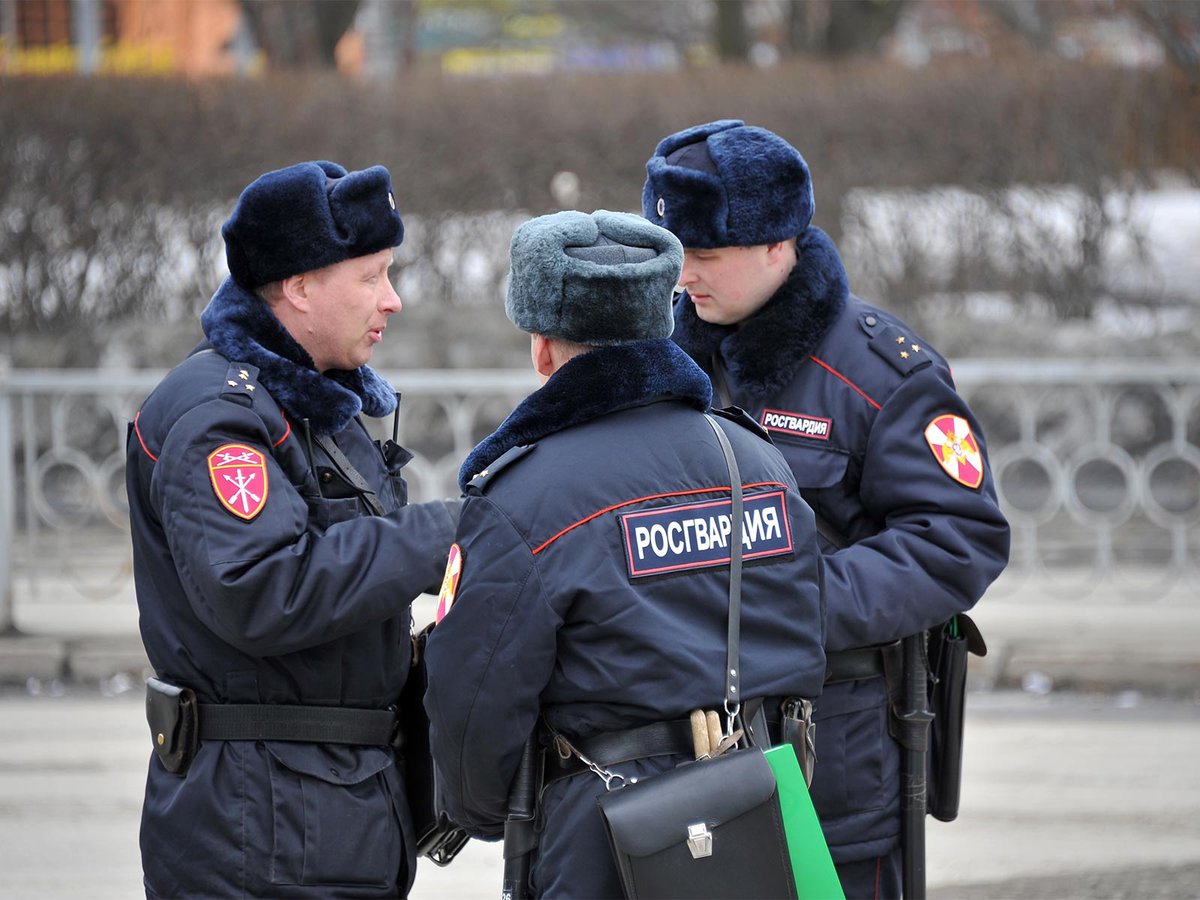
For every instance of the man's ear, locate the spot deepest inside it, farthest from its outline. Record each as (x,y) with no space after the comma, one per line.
(542,355)
(294,291)
(781,252)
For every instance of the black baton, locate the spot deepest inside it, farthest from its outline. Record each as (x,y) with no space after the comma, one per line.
(914,729)
(519,835)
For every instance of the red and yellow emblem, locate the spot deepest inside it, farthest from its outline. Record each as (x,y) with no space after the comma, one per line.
(454,564)
(955,449)
(239,478)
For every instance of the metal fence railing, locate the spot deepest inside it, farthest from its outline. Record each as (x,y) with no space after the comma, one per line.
(1097,463)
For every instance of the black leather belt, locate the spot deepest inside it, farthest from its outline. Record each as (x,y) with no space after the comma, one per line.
(610,748)
(857,664)
(674,738)
(307,724)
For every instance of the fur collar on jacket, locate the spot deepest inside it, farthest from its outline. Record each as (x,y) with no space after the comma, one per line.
(764,352)
(241,327)
(602,381)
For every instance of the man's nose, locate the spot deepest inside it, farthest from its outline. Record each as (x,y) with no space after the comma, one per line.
(391,301)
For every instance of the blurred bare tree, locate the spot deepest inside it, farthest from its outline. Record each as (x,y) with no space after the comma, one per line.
(839,28)
(1027,18)
(858,26)
(732,37)
(1176,25)
(297,34)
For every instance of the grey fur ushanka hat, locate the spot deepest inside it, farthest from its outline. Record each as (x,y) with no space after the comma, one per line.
(306,217)
(728,184)
(597,279)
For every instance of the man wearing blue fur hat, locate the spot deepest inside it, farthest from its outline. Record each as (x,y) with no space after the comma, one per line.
(884,449)
(589,587)
(275,559)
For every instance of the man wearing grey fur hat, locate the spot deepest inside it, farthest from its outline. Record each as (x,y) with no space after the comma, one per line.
(589,585)
(275,558)
(886,452)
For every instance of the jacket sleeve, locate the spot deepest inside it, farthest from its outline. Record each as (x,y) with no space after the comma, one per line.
(940,543)
(488,661)
(275,584)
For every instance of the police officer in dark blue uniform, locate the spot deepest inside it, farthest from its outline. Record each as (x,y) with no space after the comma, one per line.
(592,553)
(275,560)
(886,452)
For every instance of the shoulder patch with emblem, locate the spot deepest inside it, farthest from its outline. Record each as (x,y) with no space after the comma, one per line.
(454,567)
(955,449)
(238,474)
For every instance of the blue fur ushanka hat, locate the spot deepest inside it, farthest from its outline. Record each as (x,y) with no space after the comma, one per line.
(728,184)
(598,279)
(306,217)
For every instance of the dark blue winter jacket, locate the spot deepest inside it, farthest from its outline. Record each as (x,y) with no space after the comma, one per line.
(594,590)
(893,461)
(261,578)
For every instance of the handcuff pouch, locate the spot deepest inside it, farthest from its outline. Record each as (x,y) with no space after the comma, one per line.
(171,712)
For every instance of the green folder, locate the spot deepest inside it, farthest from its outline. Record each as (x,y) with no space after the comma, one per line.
(816,878)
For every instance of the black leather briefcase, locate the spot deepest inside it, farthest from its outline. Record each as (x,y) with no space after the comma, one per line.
(711,828)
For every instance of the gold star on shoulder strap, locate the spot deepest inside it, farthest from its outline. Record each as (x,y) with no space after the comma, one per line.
(240,379)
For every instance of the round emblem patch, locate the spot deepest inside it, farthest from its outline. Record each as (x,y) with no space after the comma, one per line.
(239,477)
(454,564)
(955,449)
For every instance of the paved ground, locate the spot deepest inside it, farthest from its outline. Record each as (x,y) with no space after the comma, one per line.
(1081,774)
(1165,882)
(1066,796)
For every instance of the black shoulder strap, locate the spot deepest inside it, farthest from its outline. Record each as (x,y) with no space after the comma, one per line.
(732,666)
(720,384)
(481,479)
(351,474)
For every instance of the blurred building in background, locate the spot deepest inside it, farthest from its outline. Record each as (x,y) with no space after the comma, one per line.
(378,39)
(124,37)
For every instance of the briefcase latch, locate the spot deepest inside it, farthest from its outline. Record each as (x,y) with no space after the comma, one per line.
(699,840)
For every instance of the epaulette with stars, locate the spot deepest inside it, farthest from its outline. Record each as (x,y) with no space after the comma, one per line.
(241,382)
(896,346)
